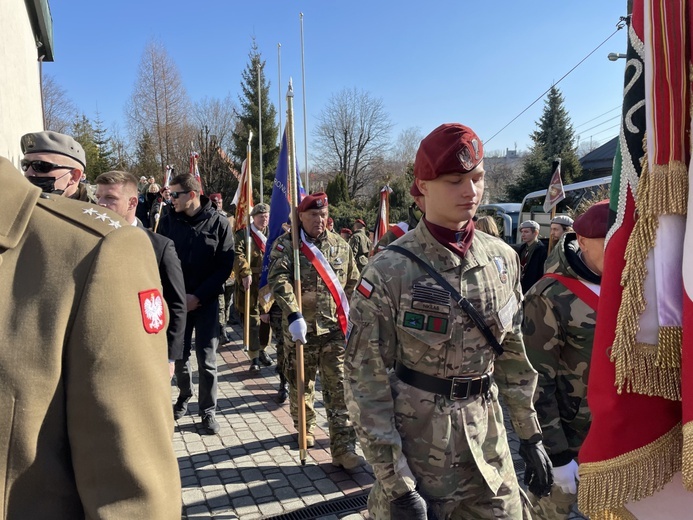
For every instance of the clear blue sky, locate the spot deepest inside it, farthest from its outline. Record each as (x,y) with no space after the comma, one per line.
(480,63)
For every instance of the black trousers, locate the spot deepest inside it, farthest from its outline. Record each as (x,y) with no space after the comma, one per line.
(205,322)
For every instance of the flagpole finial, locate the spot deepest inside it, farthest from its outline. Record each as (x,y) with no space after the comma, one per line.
(250,136)
(290,92)
(301,15)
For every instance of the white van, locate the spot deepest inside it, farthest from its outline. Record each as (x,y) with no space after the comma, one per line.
(533,203)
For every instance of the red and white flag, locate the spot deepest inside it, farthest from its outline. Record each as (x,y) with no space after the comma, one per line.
(240,199)
(194,170)
(382,224)
(555,193)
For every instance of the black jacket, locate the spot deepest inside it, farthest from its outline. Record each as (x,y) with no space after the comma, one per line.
(533,265)
(204,243)
(173,285)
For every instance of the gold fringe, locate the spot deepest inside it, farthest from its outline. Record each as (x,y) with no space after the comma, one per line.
(663,190)
(614,514)
(687,456)
(606,486)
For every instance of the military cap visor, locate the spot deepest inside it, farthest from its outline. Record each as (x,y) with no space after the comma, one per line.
(53,142)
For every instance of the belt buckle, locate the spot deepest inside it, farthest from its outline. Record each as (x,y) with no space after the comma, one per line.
(453,386)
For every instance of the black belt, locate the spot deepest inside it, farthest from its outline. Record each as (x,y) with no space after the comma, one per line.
(453,388)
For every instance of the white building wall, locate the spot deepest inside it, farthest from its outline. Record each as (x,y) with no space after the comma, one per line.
(20,83)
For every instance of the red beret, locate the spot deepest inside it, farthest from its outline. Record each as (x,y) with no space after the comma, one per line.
(414,190)
(313,201)
(345,230)
(360,221)
(215,196)
(330,220)
(450,148)
(593,223)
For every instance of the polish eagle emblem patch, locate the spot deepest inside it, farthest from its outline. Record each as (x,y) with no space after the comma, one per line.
(152,309)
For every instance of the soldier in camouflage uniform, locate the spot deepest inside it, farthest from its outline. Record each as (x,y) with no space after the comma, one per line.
(559,329)
(321,330)
(422,380)
(247,277)
(360,244)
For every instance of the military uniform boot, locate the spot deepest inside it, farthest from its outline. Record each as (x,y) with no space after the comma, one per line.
(348,460)
(282,393)
(265,359)
(254,365)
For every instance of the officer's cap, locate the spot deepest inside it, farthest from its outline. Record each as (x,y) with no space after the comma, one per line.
(593,223)
(259,208)
(53,142)
(450,148)
(313,201)
(563,220)
(530,224)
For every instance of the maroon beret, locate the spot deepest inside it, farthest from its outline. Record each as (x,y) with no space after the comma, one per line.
(345,230)
(593,223)
(215,197)
(414,190)
(360,221)
(330,220)
(450,148)
(313,201)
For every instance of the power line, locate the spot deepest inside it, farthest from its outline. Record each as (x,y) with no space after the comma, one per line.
(600,115)
(620,25)
(600,124)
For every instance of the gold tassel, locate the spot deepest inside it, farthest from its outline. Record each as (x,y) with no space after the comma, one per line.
(614,514)
(606,486)
(687,456)
(648,369)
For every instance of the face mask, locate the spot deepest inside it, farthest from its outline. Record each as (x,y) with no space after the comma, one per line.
(47,184)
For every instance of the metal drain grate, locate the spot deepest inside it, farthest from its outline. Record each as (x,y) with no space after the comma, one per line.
(331,507)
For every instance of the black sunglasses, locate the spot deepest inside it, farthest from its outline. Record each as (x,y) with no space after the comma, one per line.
(176,194)
(43,166)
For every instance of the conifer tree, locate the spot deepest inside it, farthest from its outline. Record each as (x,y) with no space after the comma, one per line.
(554,137)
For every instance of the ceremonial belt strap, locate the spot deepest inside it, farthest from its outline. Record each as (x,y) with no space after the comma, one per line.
(259,239)
(324,269)
(578,288)
(452,387)
(399,229)
(461,300)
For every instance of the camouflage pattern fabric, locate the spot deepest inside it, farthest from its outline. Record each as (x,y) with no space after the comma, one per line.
(324,350)
(455,452)
(361,247)
(557,506)
(559,330)
(241,269)
(278,331)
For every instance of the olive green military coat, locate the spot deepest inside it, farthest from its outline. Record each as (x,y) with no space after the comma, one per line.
(86,429)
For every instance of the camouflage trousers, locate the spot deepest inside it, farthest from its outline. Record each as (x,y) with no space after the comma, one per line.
(259,333)
(277,327)
(326,354)
(225,305)
(458,452)
(556,506)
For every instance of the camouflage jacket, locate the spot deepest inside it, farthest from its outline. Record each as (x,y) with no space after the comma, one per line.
(241,269)
(558,329)
(398,313)
(319,308)
(361,247)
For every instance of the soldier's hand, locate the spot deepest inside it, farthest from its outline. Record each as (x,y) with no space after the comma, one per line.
(297,327)
(538,470)
(264,318)
(247,281)
(566,477)
(410,506)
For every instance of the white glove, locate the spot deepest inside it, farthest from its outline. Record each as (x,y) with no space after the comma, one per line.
(566,477)
(298,327)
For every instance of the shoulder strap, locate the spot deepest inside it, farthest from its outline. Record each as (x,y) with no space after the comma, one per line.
(578,288)
(461,300)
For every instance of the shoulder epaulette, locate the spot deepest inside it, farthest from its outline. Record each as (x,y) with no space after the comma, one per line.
(90,216)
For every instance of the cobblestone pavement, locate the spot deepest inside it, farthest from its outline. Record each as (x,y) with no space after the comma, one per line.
(251,468)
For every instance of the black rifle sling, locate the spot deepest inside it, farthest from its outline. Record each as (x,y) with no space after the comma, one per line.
(461,300)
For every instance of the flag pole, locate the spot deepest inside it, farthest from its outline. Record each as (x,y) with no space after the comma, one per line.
(248,243)
(279,87)
(300,372)
(305,121)
(259,113)
(167,179)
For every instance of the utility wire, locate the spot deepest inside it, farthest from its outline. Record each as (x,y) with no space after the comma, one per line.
(620,25)
(600,124)
(594,118)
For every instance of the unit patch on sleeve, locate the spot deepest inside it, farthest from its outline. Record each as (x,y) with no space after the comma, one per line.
(365,288)
(439,325)
(152,309)
(413,320)
(279,247)
(431,299)
(502,269)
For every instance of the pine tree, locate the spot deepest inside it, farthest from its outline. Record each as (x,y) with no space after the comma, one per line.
(83,133)
(145,157)
(249,121)
(337,190)
(554,137)
(105,160)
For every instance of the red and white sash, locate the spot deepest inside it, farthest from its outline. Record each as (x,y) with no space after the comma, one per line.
(587,292)
(399,229)
(259,239)
(328,276)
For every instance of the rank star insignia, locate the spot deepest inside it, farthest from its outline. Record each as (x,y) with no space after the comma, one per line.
(114,223)
(102,217)
(152,309)
(89,211)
